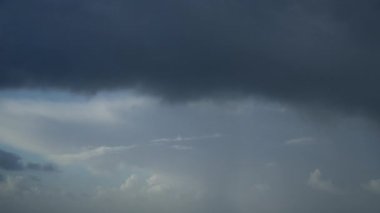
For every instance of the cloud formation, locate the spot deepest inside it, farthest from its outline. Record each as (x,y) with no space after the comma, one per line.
(316,182)
(18,186)
(12,162)
(373,186)
(90,153)
(323,52)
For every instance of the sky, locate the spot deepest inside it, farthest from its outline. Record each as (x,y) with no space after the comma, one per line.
(180,106)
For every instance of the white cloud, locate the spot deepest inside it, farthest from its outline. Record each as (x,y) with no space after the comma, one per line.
(373,186)
(90,153)
(156,184)
(133,182)
(316,182)
(184,139)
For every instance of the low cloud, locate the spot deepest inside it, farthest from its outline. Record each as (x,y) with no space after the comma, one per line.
(18,186)
(318,183)
(40,167)
(373,186)
(12,162)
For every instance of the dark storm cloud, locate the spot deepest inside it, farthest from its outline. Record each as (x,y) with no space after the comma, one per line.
(304,51)
(12,162)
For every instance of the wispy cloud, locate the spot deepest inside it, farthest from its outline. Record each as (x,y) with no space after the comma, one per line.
(179,138)
(90,153)
(300,141)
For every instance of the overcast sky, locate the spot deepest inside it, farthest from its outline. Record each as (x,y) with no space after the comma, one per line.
(179,106)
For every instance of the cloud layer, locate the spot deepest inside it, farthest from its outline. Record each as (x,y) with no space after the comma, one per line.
(322,52)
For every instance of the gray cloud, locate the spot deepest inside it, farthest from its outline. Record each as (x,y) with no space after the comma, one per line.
(12,162)
(322,52)
(40,167)
(373,186)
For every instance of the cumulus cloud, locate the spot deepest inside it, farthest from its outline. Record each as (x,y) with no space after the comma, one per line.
(318,183)
(153,184)
(153,192)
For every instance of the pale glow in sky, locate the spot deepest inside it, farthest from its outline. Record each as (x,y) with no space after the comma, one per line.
(124,150)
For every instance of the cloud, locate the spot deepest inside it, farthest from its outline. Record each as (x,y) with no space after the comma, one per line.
(19,186)
(185,139)
(90,153)
(49,122)
(177,143)
(98,110)
(131,183)
(373,186)
(12,162)
(300,141)
(181,147)
(316,182)
(158,185)
(40,167)
(313,52)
